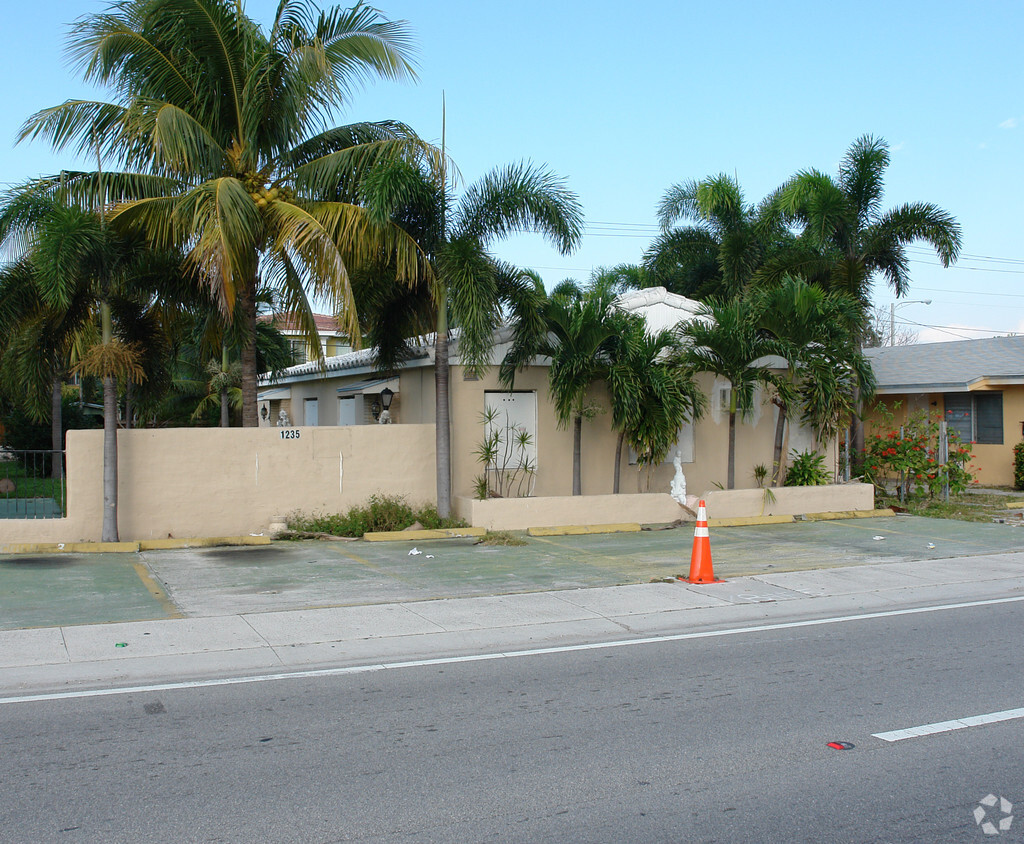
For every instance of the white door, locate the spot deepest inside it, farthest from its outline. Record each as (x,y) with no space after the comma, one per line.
(347,411)
(310,413)
(515,414)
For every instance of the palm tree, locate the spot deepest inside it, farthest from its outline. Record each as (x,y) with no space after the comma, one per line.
(463,285)
(819,331)
(37,343)
(651,391)
(83,273)
(724,339)
(223,130)
(718,254)
(853,240)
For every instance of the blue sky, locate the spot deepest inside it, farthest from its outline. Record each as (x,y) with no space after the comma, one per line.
(624,102)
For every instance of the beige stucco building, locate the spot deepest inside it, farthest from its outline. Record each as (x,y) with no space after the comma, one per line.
(347,391)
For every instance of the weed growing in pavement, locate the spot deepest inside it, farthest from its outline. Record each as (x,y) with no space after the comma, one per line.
(502,537)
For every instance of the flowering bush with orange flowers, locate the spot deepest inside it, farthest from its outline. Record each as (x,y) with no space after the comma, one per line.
(909,453)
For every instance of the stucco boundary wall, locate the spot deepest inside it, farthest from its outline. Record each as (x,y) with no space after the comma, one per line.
(562,510)
(194,482)
(789,500)
(655,508)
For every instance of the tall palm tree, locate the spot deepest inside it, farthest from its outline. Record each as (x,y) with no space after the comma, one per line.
(652,393)
(223,129)
(852,240)
(724,339)
(819,331)
(463,285)
(724,244)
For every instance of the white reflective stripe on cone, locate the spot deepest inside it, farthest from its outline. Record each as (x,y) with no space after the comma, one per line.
(701,532)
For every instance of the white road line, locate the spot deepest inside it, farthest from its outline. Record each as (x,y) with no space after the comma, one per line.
(948,726)
(449,660)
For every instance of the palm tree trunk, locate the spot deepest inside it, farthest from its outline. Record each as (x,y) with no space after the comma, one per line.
(109,460)
(780,429)
(128,404)
(618,462)
(250,413)
(225,416)
(442,424)
(856,434)
(577,437)
(110,533)
(56,429)
(731,474)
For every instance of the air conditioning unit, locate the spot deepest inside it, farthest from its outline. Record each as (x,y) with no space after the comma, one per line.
(724,397)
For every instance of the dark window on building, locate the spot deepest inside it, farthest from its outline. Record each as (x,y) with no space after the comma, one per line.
(976,417)
(298,350)
(988,418)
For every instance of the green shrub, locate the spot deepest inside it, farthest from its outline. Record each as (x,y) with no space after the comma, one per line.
(383,513)
(1018,466)
(909,454)
(807,469)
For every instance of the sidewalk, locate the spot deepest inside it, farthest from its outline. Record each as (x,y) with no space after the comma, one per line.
(34,661)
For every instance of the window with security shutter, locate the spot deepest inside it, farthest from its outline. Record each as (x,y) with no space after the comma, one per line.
(959,415)
(976,417)
(988,418)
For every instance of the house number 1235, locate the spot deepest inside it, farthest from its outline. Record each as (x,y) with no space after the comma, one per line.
(289,433)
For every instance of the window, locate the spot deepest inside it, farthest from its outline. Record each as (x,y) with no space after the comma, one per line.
(684,445)
(298,348)
(976,417)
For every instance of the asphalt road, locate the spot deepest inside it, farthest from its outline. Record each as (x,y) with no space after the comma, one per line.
(715,739)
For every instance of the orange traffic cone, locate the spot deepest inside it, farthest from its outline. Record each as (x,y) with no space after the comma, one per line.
(701,570)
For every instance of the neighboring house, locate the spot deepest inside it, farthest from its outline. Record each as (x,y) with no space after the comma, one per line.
(977,386)
(349,393)
(333,341)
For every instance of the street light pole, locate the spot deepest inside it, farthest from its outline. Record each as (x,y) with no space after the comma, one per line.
(892,315)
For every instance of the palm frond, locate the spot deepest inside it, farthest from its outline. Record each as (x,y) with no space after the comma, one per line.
(517,198)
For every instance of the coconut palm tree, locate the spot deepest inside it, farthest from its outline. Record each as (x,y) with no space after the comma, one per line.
(651,391)
(463,285)
(724,245)
(851,240)
(223,130)
(819,331)
(724,338)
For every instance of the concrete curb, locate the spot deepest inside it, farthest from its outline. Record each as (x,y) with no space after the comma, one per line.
(129,547)
(201,542)
(582,530)
(742,521)
(421,535)
(849,514)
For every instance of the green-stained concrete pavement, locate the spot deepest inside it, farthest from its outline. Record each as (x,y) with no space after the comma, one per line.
(68,588)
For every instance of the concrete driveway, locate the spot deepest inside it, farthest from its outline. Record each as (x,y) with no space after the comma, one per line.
(66,589)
